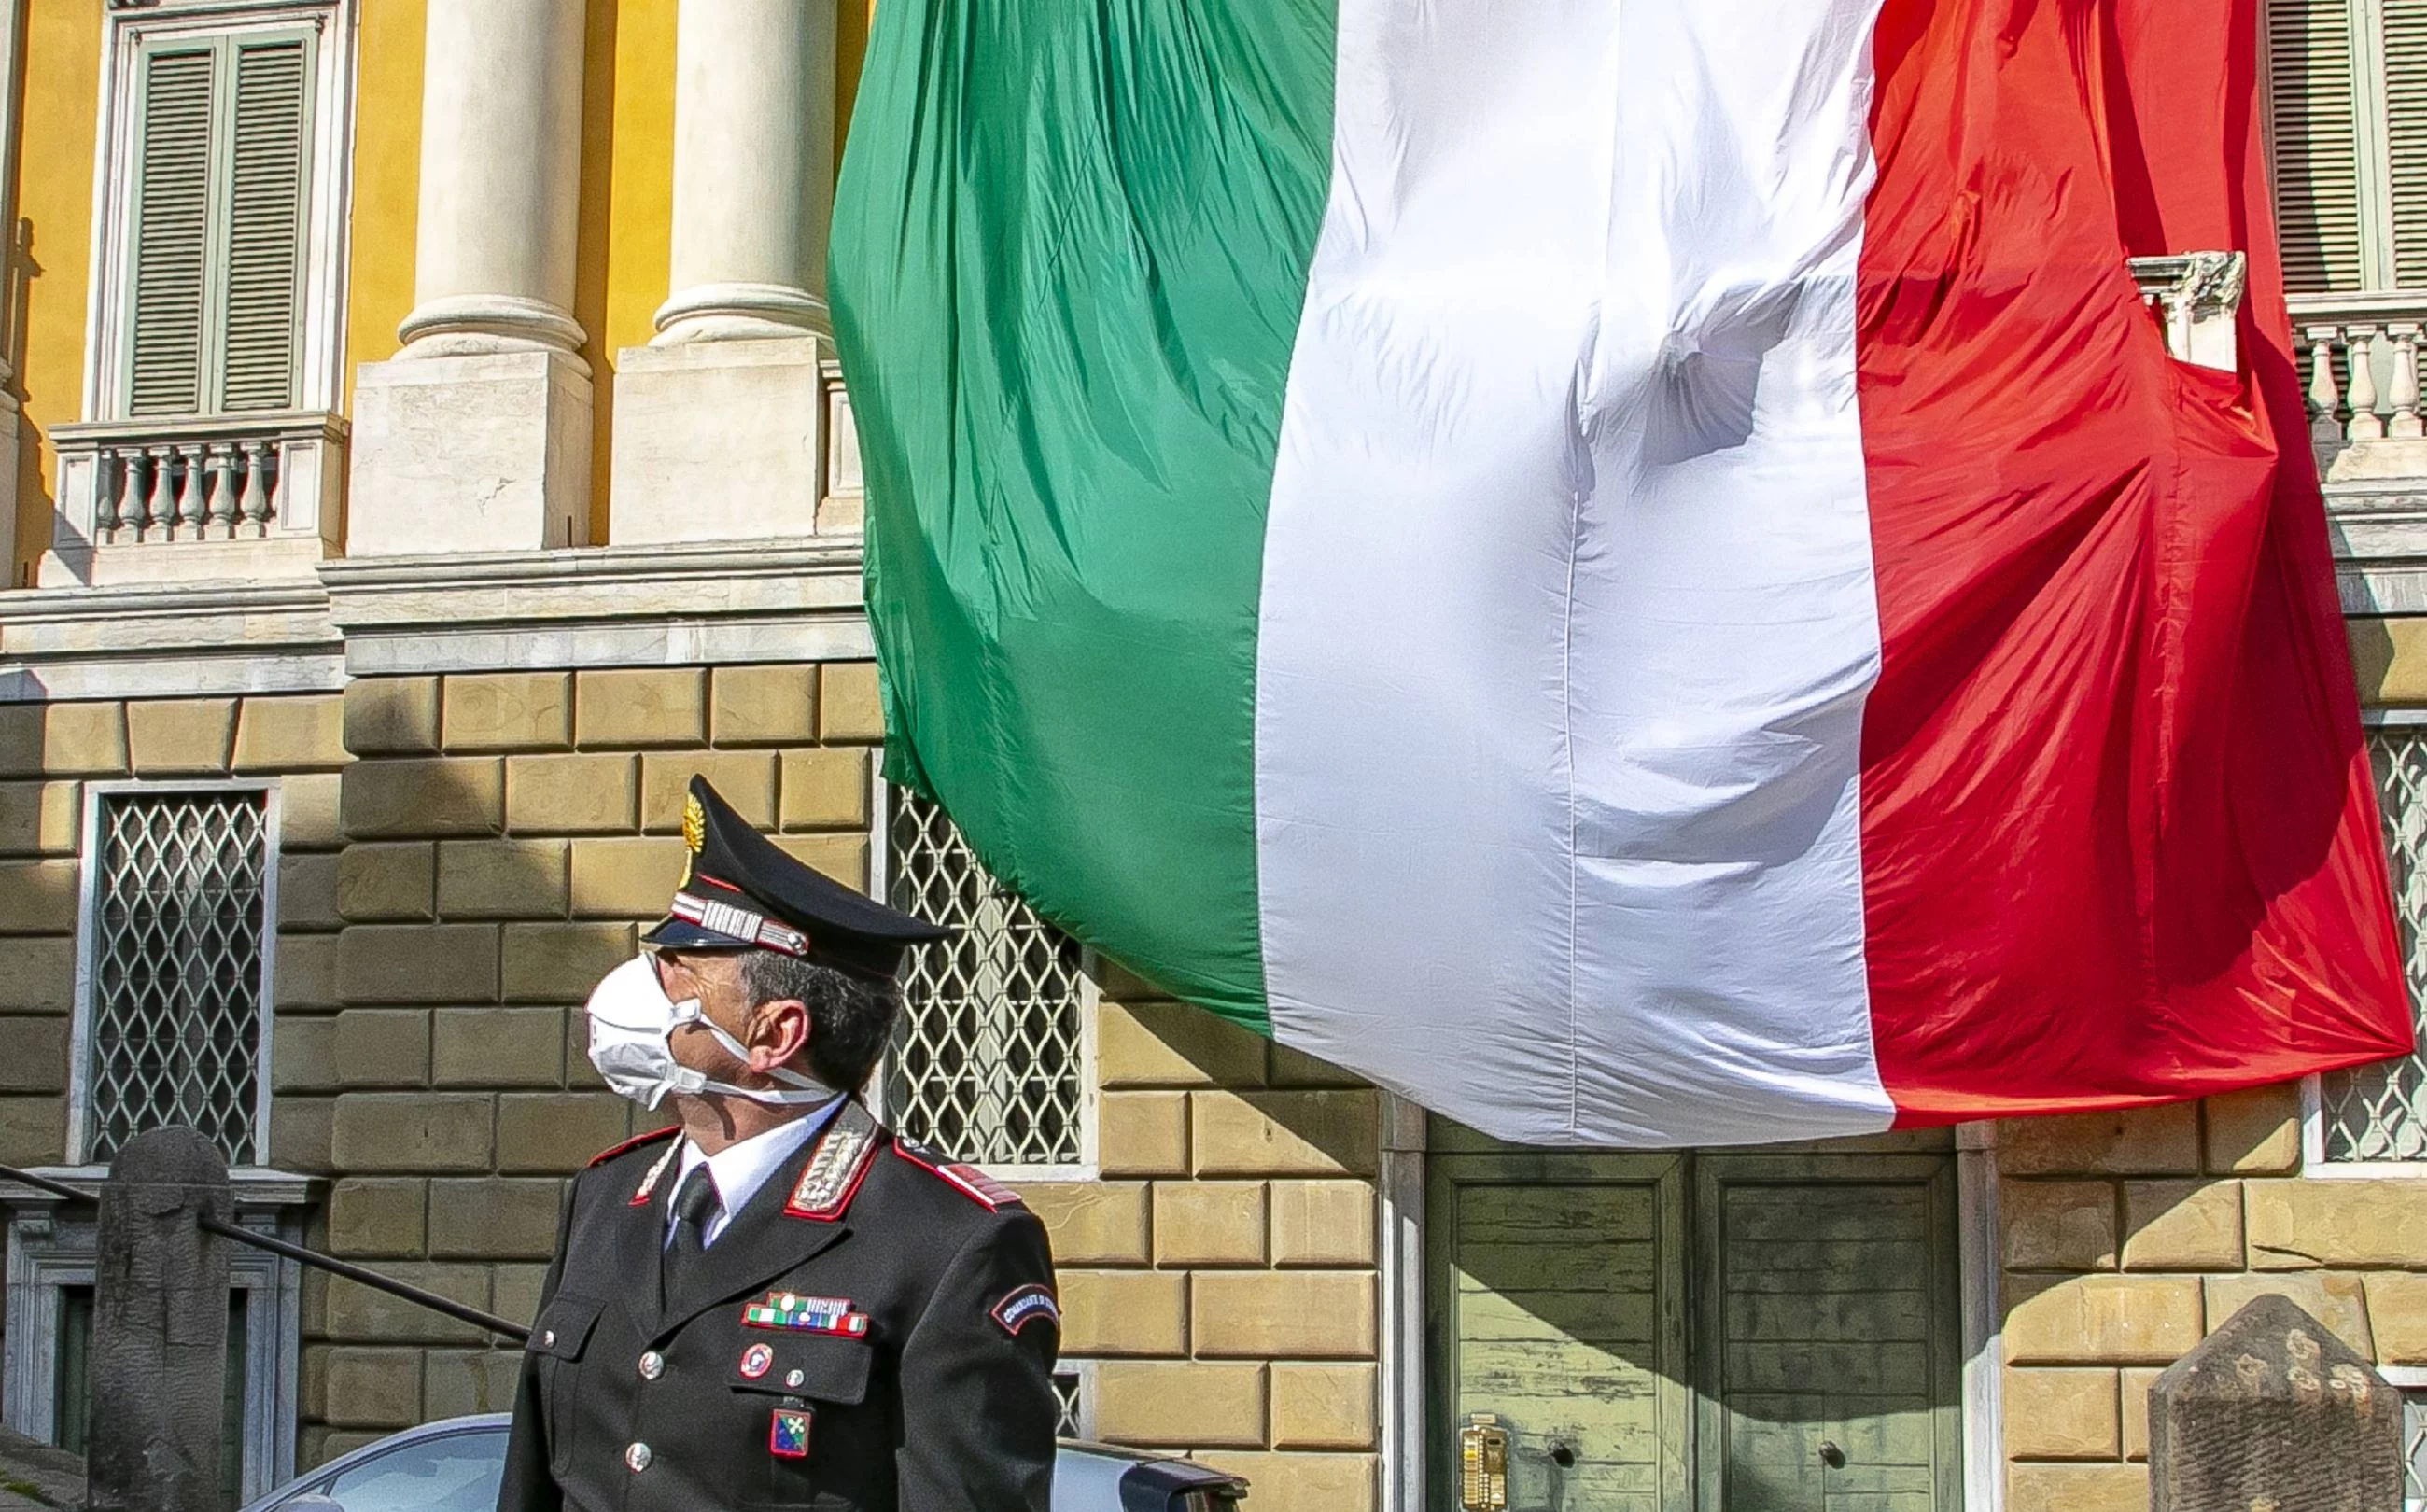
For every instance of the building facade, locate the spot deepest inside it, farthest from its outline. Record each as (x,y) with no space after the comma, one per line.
(427,452)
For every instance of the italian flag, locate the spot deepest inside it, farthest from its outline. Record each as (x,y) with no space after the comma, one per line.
(1634,571)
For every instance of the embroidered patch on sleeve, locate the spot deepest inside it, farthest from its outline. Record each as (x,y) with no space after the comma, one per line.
(1025,1306)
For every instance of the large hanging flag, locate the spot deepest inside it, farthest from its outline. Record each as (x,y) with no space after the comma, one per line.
(1636,572)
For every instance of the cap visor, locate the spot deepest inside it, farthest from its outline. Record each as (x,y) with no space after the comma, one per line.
(682,935)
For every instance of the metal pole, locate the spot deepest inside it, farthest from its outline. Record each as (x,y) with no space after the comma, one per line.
(365,1276)
(361,1275)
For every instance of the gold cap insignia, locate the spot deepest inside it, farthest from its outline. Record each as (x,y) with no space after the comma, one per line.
(694,825)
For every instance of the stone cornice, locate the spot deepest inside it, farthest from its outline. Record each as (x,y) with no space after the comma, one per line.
(175,640)
(601,606)
(2380,543)
(583,607)
(722,603)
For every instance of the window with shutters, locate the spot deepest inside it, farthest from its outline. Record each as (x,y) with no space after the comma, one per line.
(2347,84)
(224,210)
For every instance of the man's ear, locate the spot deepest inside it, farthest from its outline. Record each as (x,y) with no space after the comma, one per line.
(781,1032)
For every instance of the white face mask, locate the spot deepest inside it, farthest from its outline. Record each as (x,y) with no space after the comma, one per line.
(631,1020)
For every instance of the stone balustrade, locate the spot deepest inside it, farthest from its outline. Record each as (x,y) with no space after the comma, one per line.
(263,490)
(2362,356)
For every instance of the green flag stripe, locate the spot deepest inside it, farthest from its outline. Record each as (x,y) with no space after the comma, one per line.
(1070,251)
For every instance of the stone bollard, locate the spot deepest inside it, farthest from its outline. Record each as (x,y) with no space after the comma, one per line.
(160,1328)
(2272,1413)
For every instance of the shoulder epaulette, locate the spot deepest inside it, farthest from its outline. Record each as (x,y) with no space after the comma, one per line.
(635,1143)
(968,1181)
(832,1177)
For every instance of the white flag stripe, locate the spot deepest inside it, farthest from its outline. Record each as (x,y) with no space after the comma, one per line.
(1570,451)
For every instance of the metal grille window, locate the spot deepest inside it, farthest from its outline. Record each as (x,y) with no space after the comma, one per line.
(2414,1450)
(170,1025)
(986,1065)
(1077,1419)
(2379,1113)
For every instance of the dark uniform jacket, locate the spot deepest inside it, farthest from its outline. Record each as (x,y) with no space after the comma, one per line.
(875,1329)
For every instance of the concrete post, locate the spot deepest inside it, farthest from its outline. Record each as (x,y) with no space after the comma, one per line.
(160,1328)
(2273,1412)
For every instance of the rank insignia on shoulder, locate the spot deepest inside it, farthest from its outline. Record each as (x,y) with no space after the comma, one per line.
(969,1180)
(787,1434)
(1025,1306)
(831,1179)
(803,1314)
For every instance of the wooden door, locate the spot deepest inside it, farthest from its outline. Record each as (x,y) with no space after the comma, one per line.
(1559,1305)
(1692,1333)
(1827,1332)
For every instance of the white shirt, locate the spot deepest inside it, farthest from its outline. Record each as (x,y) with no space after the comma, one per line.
(741,1168)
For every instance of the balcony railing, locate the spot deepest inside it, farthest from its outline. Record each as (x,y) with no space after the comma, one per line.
(211,496)
(2363,382)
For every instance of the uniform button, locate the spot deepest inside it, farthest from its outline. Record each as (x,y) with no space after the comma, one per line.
(652,1365)
(637,1457)
(548,1339)
(793,1378)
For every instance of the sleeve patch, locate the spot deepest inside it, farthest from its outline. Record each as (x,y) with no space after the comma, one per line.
(1024,1305)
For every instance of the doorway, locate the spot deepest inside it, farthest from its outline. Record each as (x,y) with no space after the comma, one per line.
(1758,1332)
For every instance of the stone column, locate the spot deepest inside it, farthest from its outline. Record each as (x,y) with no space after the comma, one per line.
(476,437)
(500,179)
(753,168)
(718,432)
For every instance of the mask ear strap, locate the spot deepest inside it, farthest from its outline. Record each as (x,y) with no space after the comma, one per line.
(742,1052)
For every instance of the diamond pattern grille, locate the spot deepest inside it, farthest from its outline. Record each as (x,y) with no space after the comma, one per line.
(2414,1451)
(1069,1393)
(175,1030)
(986,1063)
(2379,1113)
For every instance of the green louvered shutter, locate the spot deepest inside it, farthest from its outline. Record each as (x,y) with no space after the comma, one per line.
(264,219)
(2405,108)
(172,216)
(221,201)
(2317,155)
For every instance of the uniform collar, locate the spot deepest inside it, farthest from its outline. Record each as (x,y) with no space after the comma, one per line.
(741,1168)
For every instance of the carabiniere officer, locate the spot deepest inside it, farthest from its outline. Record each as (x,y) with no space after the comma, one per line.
(777,1302)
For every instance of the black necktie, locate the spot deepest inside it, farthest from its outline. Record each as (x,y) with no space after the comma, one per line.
(695,1203)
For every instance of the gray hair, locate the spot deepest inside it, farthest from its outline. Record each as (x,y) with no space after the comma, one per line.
(851,1017)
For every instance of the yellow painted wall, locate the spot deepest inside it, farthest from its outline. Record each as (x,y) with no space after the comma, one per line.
(626,203)
(55,195)
(387,179)
(628,185)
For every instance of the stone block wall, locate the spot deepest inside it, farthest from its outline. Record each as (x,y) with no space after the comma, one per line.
(48,752)
(506,834)
(2127,1237)
(1222,1274)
